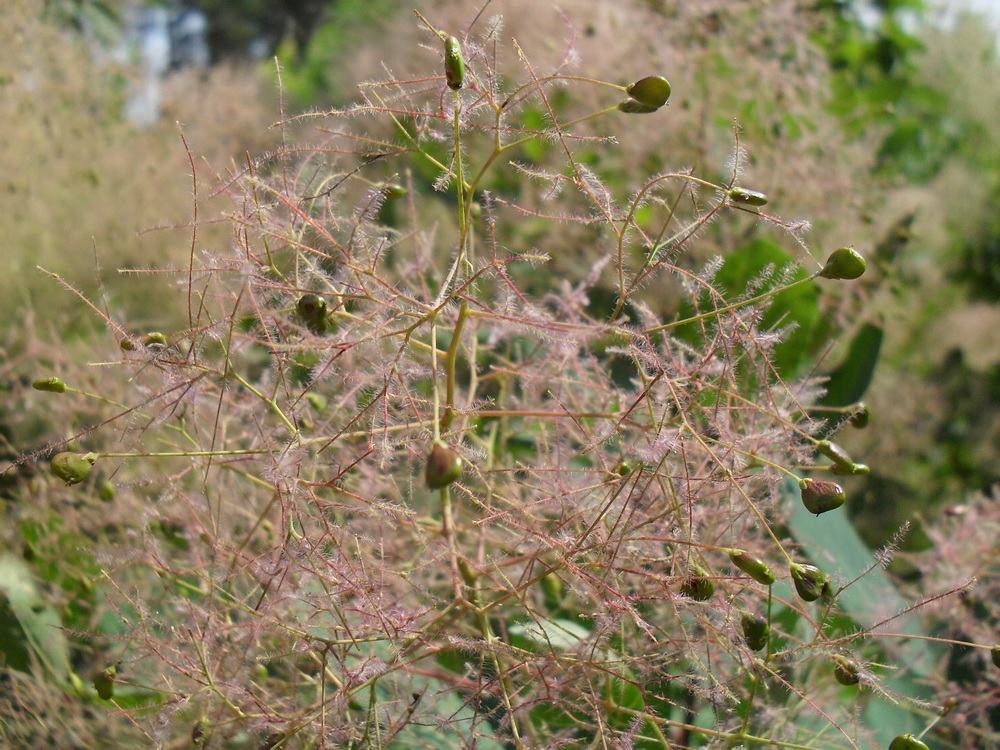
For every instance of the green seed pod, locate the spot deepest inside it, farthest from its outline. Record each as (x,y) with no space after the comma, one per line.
(394,191)
(106,491)
(454,64)
(995,653)
(835,453)
(854,470)
(633,107)
(846,671)
(652,91)
(625,468)
(752,566)
(756,631)
(317,401)
(154,340)
(907,742)
(698,588)
(819,495)
(859,418)
(50,385)
(72,468)
(698,585)
(810,582)
(104,683)
(312,309)
(845,263)
(444,466)
(745,197)
(552,585)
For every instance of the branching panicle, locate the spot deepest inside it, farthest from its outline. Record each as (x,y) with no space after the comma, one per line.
(444,454)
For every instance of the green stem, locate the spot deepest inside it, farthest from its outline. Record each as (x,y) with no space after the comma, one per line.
(272,404)
(187,454)
(96,397)
(452,357)
(729,308)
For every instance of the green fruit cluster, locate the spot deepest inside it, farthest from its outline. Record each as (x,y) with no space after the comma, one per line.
(646,95)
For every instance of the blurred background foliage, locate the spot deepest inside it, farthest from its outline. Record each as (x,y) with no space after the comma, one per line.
(877,121)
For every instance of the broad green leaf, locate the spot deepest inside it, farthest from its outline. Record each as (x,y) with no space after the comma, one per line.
(439,705)
(27,625)
(848,383)
(834,545)
(559,634)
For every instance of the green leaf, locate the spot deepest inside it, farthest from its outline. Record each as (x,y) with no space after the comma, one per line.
(871,599)
(27,625)
(848,383)
(558,634)
(436,704)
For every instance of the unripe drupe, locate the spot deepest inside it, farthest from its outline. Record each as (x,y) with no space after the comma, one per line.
(454,64)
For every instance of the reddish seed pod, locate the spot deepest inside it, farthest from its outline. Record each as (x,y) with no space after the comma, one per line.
(199,733)
(444,466)
(820,496)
